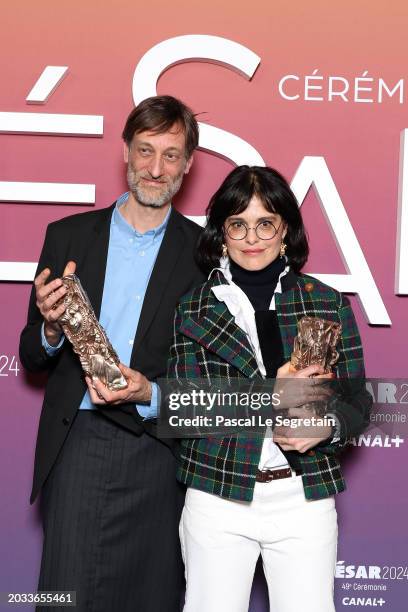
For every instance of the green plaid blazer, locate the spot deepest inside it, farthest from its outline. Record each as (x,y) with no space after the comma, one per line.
(208,344)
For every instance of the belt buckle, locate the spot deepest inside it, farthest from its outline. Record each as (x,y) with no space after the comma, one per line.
(267,475)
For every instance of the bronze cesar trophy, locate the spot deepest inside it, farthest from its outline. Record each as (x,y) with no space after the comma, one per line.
(316,344)
(88,338)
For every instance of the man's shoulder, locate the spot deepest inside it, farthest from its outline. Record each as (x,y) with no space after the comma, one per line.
(81,220)
(187,224)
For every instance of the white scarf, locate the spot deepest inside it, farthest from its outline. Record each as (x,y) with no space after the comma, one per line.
(242,310)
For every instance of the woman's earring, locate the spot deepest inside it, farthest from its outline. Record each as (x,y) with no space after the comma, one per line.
(283,249)
(224,250)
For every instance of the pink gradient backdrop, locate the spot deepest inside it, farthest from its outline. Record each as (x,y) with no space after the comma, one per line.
(102,43)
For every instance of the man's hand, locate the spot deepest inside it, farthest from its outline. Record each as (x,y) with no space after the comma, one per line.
(139,389)
(47,295)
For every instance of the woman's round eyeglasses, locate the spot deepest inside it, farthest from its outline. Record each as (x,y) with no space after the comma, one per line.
(265,230)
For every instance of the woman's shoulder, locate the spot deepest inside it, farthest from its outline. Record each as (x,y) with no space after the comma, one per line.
(316,289)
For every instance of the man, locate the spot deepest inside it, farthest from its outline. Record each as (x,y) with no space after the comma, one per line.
(110,502)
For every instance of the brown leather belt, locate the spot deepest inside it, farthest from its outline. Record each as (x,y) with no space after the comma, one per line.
(269,475)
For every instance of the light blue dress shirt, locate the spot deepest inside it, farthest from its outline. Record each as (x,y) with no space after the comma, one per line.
(131,258)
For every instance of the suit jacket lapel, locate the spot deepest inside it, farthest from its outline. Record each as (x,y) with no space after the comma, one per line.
(92,275)
(167,260)
(216,330)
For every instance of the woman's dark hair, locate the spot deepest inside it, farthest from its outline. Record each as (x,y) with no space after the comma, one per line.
(158,114)
(233,197)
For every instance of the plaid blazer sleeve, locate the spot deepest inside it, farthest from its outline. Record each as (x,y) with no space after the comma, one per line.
(352,402)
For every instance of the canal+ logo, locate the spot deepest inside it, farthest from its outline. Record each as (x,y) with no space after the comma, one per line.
(372,441)
(363,601)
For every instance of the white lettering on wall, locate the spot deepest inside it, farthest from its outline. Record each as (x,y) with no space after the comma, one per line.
(319,88)
(47,83)
(213,49)
(313,171)
(401,264)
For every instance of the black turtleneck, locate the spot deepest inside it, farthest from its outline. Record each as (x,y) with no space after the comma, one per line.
(259,286)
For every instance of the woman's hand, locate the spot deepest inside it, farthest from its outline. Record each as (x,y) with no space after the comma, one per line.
(300,439)
(301,392)
(300,387)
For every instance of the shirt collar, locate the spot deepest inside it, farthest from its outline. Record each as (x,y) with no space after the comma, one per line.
(124,226)
(224,268)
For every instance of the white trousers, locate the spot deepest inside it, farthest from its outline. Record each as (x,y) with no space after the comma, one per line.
(221,541)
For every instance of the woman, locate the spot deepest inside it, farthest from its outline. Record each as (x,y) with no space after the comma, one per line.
(247,495)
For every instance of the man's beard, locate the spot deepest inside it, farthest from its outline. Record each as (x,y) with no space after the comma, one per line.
(155,197)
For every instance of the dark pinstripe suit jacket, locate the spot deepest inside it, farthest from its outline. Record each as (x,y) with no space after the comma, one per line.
(84,238)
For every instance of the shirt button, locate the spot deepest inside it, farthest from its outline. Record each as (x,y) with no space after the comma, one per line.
(66,421)
(141,253)
(131,342)
(138,297)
